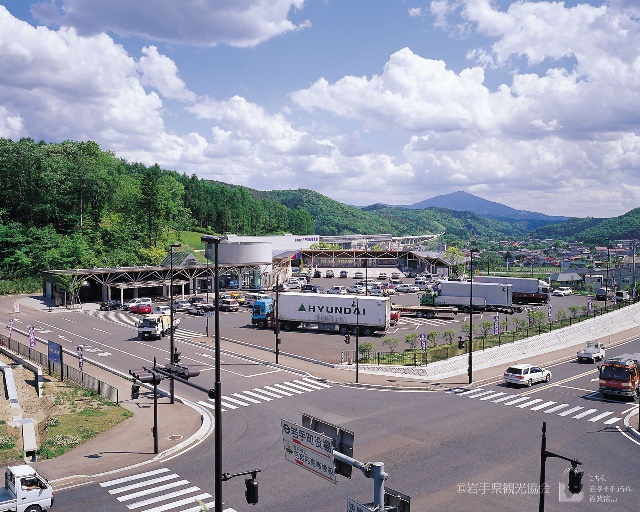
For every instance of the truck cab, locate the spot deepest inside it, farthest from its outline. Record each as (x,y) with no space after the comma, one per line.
(25,490)
(620,377)
(262,312)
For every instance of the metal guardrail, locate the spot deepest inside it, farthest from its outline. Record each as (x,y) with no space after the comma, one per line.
(65,371)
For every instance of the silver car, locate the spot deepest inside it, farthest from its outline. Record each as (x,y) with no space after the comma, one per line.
(525,375)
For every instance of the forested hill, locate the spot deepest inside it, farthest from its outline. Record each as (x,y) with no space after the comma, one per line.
(73,205)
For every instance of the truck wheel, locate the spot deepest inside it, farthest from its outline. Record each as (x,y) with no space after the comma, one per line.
(33,508)
(430,314)
(344,329)
(262,324)
(287,326)
(419,314)
(366,331)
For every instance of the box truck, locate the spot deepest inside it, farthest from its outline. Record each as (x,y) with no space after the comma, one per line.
(344,313)
(484,296)
(525,290)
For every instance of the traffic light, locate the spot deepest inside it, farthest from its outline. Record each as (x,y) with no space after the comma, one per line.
(347,338)
(135,391)
(176,356)
(252,490)
(575,480)
(460,343)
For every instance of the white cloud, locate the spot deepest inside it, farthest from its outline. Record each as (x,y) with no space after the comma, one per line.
(415,12)
(161,73)
(241,23)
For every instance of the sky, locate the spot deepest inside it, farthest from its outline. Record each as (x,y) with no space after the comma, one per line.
(532,104)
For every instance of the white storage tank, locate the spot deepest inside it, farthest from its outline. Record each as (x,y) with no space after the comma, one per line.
(240,253)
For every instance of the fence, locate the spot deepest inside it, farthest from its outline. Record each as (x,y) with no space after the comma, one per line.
(65,371)
(418,357)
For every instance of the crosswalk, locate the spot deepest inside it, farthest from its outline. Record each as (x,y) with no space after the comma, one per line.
(414,322)
(538,404)
(131,320)
(266,394)
(159,490)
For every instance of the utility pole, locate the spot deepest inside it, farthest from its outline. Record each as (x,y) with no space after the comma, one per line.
(171,345)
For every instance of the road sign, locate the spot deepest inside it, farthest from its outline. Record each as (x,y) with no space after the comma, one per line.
(342,440)
(355,506)
(209,314)
(309,450)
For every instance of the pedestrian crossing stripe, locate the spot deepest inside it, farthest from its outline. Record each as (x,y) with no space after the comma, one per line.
(265,394)
(533,404)
(128,320)
(145,485)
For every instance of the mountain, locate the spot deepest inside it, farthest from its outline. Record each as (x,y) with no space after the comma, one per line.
(465,202)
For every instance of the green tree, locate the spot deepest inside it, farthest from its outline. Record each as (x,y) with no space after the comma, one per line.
(433,338)
(519,324)
(411,340)
(391,343)
(484,328)
(448,335)
(365,349)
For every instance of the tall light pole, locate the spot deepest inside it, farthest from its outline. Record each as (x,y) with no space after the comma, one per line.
(209,239)
(171,346)
(355,304)
(470,369)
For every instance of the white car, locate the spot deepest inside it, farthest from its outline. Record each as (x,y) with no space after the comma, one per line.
(162,310)
(407,288)
(340,290)
(395,275)
(562,291)
(355,288)
(382,276)
(525,375)
(358,275)
(293,282)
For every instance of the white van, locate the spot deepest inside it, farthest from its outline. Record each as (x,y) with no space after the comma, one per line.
(250,298)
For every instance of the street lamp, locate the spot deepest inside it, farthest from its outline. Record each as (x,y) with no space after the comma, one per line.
(209,239)
(470,369)
(171,346)
(355,304)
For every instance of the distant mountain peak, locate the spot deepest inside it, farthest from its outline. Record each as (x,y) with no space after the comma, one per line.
(465,202)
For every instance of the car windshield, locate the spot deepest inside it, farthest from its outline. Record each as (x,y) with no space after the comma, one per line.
(614,373)
(515,371)
(148,322)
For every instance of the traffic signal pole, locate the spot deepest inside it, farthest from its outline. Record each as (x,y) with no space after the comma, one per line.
(575,476)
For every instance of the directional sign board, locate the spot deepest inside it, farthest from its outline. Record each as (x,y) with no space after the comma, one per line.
(309,450)
(355,506)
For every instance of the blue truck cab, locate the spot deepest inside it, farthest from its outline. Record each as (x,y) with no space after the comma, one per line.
(262,313)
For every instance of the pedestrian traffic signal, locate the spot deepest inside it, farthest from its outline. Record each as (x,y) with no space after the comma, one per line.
(460,343)
(176,356)
(252,491)
(575,480)
(135,391)
(347,338)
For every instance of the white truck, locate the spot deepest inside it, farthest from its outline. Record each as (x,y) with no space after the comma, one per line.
(592,352)
(25,490)
(156,326)
(345,313)
(525,290)
(484,296)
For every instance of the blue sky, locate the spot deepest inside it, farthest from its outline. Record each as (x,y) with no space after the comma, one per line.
(533,104)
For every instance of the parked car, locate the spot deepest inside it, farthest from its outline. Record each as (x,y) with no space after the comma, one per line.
(196,300)
(328,273)
(343,274)
(355,288)
(317,273)
(407,288)
(395,275)
(525,375)
(141,309)
(311,288)
(109,305)
(293,283)
(562,291)
(181,305)
(382,276)
(162,310)
(134,302)
(282,287)
(229,305)
(358,275)
(304,275)
(340,290)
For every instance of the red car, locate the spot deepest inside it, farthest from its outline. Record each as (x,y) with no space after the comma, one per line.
(141,309)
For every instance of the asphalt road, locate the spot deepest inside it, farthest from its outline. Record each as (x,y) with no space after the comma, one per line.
(447,450)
